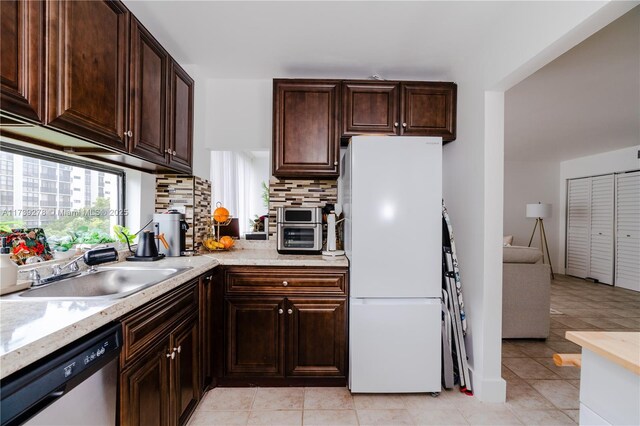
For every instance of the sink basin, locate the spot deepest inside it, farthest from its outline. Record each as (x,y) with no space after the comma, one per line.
(105,283)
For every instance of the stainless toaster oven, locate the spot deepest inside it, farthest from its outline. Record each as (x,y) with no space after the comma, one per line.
(299,230)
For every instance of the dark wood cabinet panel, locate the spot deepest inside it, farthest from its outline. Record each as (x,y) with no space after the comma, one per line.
(428,109)
(145,388)
(254,336)
(208,335)
(289,280)
(186,365)
(88,54)
(148,70)
(317,330)
(181,119)
(305,124)
(22,58)
(369,107)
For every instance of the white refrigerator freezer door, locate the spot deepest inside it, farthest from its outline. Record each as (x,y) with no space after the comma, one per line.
(395,223)
(394,345)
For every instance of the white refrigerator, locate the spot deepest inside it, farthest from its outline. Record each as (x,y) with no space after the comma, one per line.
(391,193)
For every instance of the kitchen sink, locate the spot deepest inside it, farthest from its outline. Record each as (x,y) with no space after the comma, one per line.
(105,283)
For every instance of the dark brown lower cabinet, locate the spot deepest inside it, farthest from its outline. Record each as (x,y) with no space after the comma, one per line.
(160,362)
(285,338)
(186,366)
(255,336)
(316,332)
(144,388)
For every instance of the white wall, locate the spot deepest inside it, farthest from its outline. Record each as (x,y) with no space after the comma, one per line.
(201,147)
(239,114)
(531,182)
(140,194)
(620,160)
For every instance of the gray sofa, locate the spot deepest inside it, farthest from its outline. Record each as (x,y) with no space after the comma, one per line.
(526,298)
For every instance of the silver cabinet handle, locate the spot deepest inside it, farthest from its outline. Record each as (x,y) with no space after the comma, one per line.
(172,355)
(289,311)
(129,133)
(404,125)
(335,163)
(284,283)
(178,349)
(395,124)
(174,153)
(280,311)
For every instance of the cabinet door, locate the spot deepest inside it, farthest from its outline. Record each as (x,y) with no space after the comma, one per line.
(22,61)
(254,336)
(87,69)
(370,108)
(578,227)
(186,368)
(306,138)
(428,109)
(602,248)
(181,119)
(317,330)
(628,230)
(207,333)
(149,66)
(145,389)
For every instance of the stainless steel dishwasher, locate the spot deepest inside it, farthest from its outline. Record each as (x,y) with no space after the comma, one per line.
(76,385)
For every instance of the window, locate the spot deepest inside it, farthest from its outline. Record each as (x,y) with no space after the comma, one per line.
(36,191)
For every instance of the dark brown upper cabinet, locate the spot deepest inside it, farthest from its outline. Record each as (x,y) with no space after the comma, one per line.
(22,58)
(428,109)
(180,145)
(148,72)
(88,57)
(306,132)
(370,107)
(399,108)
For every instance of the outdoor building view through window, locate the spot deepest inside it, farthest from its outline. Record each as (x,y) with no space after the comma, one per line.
(72,204)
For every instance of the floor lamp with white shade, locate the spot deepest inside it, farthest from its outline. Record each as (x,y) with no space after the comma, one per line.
(539,211)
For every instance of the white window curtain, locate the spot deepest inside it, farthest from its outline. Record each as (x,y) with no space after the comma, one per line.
(230,175)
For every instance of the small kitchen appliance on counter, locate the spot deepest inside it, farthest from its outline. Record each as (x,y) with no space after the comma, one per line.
(299,230)
(173,225)
(147,250)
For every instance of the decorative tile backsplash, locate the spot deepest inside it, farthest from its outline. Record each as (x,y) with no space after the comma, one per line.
(299,192)
(190,193)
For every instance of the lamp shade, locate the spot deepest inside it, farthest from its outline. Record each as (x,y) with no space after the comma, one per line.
(538,210)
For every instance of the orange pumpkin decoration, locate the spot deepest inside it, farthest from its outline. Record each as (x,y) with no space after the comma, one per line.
(220,214)
(227,241)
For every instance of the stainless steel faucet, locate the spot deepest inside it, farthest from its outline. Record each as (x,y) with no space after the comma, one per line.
(72,265)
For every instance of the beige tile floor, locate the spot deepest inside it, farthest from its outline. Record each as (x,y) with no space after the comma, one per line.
(538,392)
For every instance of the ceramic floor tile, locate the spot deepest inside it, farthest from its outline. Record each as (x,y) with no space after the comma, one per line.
(565,347)
(384,417)
(328,398)
(275,417)
(279,399)
(574,383)
(522,396)
(211,418)
(502,416)
(527,368)
(627,322)
(537,350)
(560,392)
(329,417)
(226,399)
(509,375)
(437,417)
(377,401)
(512,351)
(574,414)
(426,402)
(544,417)
(564,372)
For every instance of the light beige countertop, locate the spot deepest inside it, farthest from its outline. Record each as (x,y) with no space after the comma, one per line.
(623,348)
(32,329)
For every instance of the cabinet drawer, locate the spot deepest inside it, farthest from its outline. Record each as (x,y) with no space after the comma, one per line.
(286,281)
(152,321)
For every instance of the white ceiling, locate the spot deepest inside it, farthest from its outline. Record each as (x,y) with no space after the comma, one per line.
(585,102)
(396,40)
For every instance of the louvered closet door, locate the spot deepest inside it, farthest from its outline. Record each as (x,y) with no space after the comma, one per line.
(578,227)
(628,230)
(601,251)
